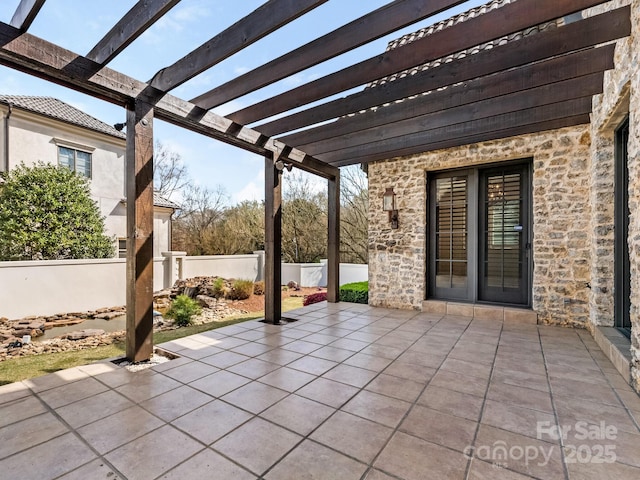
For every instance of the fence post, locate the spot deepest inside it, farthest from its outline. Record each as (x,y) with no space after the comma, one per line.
(175,270)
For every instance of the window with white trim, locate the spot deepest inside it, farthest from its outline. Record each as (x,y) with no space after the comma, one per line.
(75,160)
(122,248)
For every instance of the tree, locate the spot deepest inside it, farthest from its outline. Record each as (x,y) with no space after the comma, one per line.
(170,175)
(354,223)
(46,213)
(241,230)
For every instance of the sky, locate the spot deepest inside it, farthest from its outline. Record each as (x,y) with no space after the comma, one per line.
(79,24)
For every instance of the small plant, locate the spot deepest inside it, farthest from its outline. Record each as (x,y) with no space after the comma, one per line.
(258,288)
(182,310)
(218,288)
(240,290)
(314,298)
(357,292)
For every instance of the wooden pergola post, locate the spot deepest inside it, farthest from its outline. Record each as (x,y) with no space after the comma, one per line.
(272,241)
(139,169)
(333,246)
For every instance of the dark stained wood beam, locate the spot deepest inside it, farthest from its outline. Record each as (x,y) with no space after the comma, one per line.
(260,23)
(35,56)
(26,13)
(575,36)
(333,241)
(393,16)
(397,146)
(134,23)
(272,241)
(562,91)
(494,24)
(452,142)
(139,167)
(546,72)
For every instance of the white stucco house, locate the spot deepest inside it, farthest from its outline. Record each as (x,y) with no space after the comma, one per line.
(47,129)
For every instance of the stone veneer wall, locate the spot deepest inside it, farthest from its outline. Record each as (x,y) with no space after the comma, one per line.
(561,220)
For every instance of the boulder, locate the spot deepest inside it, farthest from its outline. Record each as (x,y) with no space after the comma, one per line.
(82,334)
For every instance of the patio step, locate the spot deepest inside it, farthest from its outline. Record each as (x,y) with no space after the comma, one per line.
(616,347)
(490,312)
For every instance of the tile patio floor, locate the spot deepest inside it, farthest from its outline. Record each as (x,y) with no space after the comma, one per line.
(346,392)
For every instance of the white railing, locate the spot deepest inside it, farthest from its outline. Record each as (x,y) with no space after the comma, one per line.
(51,287)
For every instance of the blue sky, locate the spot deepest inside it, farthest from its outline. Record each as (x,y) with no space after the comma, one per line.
(79,24)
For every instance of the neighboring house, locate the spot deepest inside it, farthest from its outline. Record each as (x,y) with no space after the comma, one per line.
(537,221)
(46,129)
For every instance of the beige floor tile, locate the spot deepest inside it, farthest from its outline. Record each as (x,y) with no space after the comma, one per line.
(20,409)
(255,397)
(302,346)
(452,402)
(519,420)
(66,394)
(333,353)
(153,454)
(119,428)
(410,372)
(487,471)
(598,471)
(120,376)
(253,368)
(312,365)
(175,403)
(410,458)
(287,379)
(147,386)
(298,414)
(201,351)
(212,421)
(544,461)
(13,391)
(328,392)
(524,397)
(350,344)
(48,460)
(436,427)
(252,349)
(93,408)
(224,359)
(384,351)
(311,461)
(280,356)
(378,475)
(395,387)
(357,377)
(378,408)
(460,383)
(96,470)
(219,383)
(370,362)
(191,371)
(27,433)
(584,391)
(467,368)
(353,436)
(63,377)
(521,379)
(207,464)
(257,445)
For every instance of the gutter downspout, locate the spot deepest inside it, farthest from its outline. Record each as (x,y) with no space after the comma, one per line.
(6,138)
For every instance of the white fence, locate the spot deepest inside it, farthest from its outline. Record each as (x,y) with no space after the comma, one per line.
(52,287)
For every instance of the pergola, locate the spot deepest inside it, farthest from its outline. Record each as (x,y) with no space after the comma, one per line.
(523,85)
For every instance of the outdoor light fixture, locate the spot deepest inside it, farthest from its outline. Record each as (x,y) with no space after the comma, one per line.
(119,126)
(280,165)
(389,205)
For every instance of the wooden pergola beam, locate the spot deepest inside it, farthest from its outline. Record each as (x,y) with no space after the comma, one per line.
(493,24)
(582,119)
(258,24)
(380,22)
(582,34)
(133,24)
(558,92)
(26,12)
(333,241)
(398,146)
(139,179)
(44,59)
(584,62)
(272,241)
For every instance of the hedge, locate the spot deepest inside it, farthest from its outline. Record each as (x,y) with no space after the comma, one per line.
(357,292)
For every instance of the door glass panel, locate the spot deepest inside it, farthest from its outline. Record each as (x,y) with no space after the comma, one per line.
(503,256)
(451,232)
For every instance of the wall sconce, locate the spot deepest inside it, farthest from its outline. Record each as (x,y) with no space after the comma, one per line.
(280,165)
(389,205)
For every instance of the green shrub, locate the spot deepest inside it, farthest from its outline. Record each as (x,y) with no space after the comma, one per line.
(182,310)
(357,292)
(258,288)
(218,288)
(240,290)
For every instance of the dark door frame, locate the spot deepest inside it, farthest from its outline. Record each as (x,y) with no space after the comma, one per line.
(622,275)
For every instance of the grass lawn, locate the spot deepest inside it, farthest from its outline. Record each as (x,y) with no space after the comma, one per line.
(22,368)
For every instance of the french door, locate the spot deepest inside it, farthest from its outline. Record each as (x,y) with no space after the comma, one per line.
(622,282)
(479,235)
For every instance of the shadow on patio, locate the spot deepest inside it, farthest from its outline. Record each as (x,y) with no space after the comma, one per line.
(346,392)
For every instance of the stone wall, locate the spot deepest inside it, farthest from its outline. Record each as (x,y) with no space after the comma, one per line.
(561,221)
